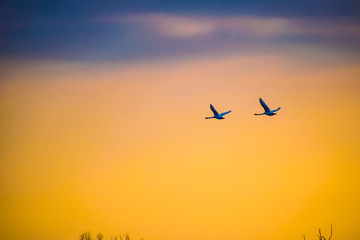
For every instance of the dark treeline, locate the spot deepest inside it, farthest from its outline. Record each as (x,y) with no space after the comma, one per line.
(100,236)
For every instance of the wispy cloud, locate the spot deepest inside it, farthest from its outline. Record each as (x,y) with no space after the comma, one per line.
(175,25)
(187,26)
(157,35)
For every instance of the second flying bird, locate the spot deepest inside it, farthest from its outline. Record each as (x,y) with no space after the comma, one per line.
(216,114)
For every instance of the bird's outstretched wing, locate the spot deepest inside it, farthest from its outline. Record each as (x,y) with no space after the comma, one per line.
(263,104)
(213,109)
(224,113)
(276,110)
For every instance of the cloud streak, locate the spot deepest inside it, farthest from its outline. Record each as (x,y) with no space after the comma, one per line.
(125,36)
(188,27)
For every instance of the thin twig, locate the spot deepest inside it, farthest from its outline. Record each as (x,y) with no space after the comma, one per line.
(330,232)
(320,237)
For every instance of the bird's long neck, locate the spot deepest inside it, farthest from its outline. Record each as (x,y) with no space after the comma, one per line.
(209,117)
(259,114)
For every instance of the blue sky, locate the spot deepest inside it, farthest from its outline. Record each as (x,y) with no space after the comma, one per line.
(123,30)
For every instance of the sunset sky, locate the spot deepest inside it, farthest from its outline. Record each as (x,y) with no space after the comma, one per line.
(102,119)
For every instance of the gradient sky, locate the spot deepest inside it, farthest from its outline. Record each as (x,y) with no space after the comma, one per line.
(102,125)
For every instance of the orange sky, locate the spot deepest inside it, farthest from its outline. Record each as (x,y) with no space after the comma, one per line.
(125,148)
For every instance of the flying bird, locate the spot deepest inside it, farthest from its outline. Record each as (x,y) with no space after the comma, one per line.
(216,114)
(267,109)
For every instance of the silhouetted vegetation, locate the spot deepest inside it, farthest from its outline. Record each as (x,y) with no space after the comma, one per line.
(85,236)
(320,236)
(100,236)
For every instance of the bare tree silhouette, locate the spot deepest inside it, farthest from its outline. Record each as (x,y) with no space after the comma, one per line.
(100,236)
(127,237)
(85,236)
(321,237)
(118,237)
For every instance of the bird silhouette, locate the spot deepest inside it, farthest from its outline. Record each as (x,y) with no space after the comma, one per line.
(267,109)
(216,114)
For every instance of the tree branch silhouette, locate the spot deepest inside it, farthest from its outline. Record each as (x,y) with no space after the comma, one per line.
(320,236)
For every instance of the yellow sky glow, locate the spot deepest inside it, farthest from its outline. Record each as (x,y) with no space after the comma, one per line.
(126,148)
